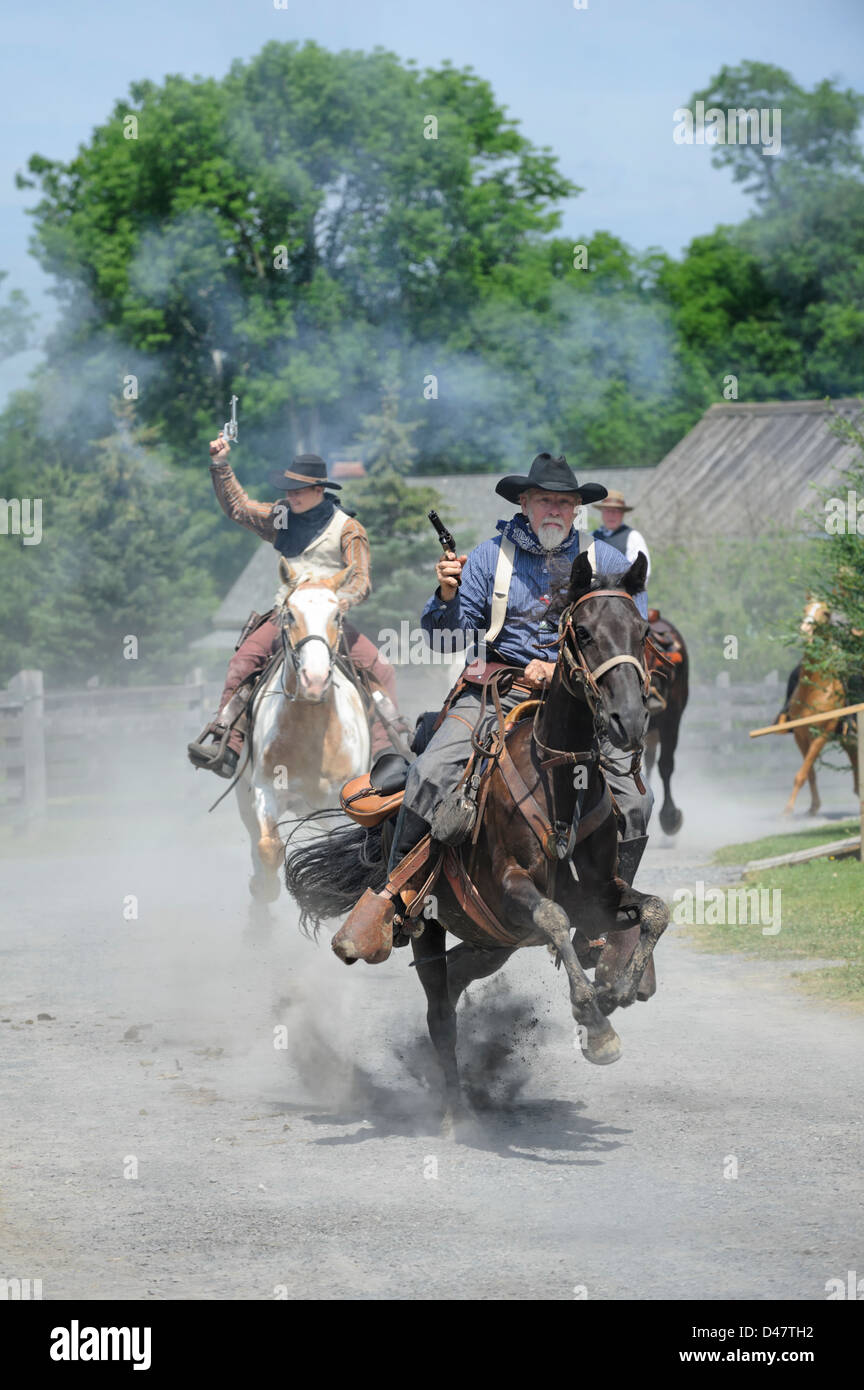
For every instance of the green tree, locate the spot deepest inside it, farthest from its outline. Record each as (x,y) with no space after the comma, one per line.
(818,129)
(276,232)
(837,648)
(401,539)
(17,322)
(115,560)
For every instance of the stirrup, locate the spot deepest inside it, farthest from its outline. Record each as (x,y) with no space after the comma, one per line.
(210,756)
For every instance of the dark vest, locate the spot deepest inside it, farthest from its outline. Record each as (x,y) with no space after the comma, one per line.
(618,538)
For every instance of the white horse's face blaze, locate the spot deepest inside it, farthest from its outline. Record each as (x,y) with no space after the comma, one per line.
(314,612)
(815,613)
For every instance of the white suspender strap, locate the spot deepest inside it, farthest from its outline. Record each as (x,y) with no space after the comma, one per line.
(501,588)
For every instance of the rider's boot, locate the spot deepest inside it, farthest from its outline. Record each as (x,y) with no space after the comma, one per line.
(212,752)
(387,710)
(629,857)
(367,932)
(621,944)
(227,731)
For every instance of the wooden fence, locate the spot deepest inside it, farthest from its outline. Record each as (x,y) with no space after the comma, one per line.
(54,745)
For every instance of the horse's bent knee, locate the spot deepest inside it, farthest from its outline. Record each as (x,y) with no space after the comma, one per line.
(270,852)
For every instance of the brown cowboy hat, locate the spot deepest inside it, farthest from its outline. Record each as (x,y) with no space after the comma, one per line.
(307,470)
(550,475)
(616,499)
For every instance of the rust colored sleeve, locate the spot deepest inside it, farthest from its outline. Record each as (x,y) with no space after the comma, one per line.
(238,506)
(355,551)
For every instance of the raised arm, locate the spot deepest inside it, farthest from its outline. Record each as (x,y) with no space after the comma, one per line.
(234,501)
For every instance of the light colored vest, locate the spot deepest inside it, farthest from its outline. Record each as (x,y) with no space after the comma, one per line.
(323,556)
(504,574)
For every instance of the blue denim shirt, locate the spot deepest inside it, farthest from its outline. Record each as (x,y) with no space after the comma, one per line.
(537,574)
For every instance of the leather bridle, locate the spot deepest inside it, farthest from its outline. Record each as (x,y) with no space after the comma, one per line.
(576,668)
(291,650)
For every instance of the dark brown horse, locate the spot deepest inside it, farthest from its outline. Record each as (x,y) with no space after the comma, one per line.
(670,682)
(599,687)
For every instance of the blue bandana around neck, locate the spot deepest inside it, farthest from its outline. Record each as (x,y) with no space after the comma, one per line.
(519,531)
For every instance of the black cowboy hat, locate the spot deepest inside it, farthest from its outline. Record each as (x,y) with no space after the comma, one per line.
(307,470)
(551,475)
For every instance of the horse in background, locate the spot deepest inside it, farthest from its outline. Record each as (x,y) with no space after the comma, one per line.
(669,661)
(309,731)
(814,692)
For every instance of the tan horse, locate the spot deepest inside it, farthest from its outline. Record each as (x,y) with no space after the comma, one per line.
(309,733)
(815,693)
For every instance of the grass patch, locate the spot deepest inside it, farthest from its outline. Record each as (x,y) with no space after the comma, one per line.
(786,844)
(821,914)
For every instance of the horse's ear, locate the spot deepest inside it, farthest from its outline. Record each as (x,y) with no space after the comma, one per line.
(634,579)
(344,576)
(580,577)
(287,573)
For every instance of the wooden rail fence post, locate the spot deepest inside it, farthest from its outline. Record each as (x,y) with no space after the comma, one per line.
(28,687)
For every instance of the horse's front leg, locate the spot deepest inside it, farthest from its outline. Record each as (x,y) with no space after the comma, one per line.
(428,951)
(671,819)
(526,906)
(810,755)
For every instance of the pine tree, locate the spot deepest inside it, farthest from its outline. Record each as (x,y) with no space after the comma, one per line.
(394,513)
(838,646)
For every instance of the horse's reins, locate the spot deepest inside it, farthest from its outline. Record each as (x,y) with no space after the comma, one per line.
(576,668)
(291,649)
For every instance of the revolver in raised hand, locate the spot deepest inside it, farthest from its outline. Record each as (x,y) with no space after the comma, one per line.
(229,429)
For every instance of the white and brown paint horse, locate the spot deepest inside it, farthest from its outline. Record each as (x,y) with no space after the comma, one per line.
(813,692)
(309,732)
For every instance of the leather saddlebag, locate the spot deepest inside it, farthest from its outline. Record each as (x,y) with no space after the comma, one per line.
(364,805)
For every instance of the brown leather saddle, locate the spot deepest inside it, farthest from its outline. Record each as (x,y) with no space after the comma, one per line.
(663,655)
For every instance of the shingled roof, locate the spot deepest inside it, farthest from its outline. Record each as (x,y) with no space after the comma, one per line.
(747,464)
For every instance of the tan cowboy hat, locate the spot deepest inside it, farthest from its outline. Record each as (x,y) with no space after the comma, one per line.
(615,499)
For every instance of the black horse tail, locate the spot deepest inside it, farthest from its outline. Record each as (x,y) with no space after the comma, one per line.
(328,872)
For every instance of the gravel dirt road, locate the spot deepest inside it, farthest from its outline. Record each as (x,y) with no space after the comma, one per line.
(157,1144)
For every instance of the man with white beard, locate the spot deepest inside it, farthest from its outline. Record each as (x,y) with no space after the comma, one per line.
(501,590)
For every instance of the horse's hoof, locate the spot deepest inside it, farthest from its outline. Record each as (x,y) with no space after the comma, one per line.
(671,824)
(602,1049)
(459,1121)
(264,890)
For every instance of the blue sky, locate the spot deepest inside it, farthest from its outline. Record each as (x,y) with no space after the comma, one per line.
(598,85)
